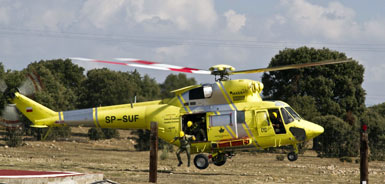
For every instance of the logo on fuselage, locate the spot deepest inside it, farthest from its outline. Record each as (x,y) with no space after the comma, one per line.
(243,91)
(221,130)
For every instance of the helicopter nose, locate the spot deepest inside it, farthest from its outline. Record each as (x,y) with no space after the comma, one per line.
(313,130)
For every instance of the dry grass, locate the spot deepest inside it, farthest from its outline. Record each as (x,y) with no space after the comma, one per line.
(118,161)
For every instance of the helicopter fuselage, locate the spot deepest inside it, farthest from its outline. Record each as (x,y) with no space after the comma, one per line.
(230,116)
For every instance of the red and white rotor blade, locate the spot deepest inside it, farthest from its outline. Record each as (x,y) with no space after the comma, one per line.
(146,64)
(167,66)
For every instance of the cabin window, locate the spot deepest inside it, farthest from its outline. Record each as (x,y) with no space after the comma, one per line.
(196,93)
(200,93)
(286,116)
(262,119)
(241,117)
(221,120)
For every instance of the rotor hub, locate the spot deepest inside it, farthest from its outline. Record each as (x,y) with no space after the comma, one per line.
(221,72)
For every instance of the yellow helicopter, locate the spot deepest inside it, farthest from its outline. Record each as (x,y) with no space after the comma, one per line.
(230,114)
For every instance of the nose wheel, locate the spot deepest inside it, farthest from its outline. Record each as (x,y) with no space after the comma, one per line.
(293,156)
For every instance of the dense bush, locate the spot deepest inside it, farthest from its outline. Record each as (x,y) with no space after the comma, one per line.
(143,141)
(280,157)
(95,133)
(56,133)
(339,138)
(110,133)
(102,133)
(14,137)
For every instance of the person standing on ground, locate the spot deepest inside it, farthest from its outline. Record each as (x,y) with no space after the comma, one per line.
(184,141)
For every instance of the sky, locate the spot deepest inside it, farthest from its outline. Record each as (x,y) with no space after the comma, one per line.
(201,33)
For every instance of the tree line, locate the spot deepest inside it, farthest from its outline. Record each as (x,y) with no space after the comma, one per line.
(331,95)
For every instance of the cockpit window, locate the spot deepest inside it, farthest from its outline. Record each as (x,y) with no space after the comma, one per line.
(286,116)
(293,113)
(201,92)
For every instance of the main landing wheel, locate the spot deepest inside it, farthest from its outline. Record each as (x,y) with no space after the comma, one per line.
(201,161)
(292,156)
(219,160)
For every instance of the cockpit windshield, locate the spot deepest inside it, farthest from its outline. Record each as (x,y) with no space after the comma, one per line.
(286,116)
(293,113)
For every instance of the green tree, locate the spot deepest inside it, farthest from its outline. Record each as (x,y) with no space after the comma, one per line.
(67,74)
(374,118)
(173,82)
(380,109)
(304,105)
(150,89)
(105,87)
(336,89)
(61,81)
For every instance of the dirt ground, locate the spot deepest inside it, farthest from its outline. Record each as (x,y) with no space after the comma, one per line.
(119,162)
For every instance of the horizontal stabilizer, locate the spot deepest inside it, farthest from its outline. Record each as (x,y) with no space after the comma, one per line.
(39,126)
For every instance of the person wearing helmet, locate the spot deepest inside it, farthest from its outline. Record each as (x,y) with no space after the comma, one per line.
(277,122)
(196,130)
(184,141)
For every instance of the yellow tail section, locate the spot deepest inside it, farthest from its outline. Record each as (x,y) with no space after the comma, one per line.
(34,111)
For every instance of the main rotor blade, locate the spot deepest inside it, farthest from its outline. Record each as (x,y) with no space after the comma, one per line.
(294,66)
(146,64)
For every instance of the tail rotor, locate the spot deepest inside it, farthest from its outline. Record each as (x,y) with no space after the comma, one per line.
(31,85)
(10,116)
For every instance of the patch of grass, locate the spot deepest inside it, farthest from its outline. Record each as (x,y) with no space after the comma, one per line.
(164,154)
(346,159)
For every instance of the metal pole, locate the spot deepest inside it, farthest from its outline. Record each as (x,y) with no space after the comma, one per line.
(364,176)
(153,152)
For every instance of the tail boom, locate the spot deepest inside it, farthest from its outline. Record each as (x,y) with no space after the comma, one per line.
(128,116)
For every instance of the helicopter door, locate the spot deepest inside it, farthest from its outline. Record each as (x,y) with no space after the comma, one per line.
(222,125)
(264,126)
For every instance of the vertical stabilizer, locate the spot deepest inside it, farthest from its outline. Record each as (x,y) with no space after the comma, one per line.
(31,109)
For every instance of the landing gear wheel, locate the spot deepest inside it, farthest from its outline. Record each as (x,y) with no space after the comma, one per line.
(219,160)
(201,161)
(292,156)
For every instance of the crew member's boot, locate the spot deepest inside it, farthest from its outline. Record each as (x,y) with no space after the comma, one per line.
(180,163)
